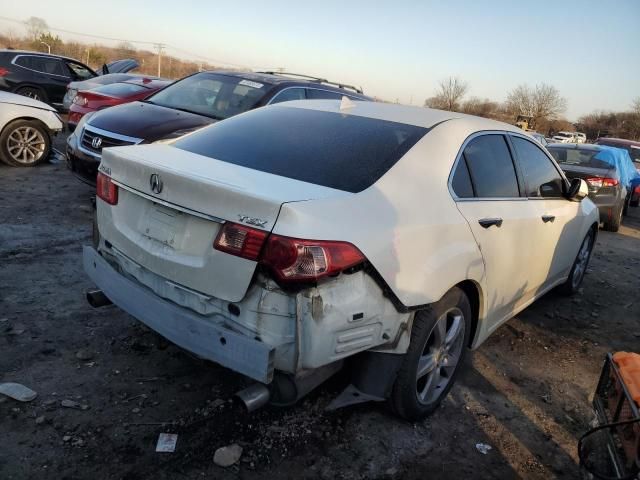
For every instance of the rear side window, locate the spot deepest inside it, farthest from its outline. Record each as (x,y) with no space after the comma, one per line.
(491,167)
(119,90)
(289,94)
(540,176)
(346,152)
(42,64)
(461,181)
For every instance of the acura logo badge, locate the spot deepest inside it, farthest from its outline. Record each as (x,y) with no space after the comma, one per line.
(96,142)
(155,182)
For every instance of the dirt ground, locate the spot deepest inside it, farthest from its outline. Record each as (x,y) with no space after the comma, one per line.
(526,391)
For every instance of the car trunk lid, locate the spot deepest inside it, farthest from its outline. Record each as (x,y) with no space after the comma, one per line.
(586,173)
(172,204)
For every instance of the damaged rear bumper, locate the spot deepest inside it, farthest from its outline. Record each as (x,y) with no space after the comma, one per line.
(204,336)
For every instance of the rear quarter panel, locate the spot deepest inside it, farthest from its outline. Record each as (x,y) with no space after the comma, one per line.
(406,224)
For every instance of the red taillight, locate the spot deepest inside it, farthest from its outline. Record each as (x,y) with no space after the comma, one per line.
(290,259)
(241,241)
(598,182)
(3,72)
(106,189)
(637,190)
(293,259)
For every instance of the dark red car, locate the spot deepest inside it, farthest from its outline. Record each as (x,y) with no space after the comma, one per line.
(113,94)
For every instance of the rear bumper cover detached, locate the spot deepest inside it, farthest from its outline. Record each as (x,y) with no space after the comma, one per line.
(207,337)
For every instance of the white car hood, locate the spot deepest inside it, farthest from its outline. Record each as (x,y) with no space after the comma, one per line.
(15,99)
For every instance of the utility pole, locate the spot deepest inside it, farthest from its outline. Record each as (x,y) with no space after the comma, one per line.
(87,50)
(160,47)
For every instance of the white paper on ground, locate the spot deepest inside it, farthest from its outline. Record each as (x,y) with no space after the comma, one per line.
(167,442)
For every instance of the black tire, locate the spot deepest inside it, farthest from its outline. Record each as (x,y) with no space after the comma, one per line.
(33,92)
(634,203)
(614,224)
(16,125)
(572,284)
(404,399)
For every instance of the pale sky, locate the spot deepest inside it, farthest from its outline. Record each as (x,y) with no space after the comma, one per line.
(589,49)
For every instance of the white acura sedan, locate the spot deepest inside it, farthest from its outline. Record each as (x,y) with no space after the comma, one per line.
(286,240)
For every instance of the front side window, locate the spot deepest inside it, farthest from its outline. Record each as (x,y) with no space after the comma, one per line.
(491,167)
(289,94)
(213,95)
(540,175)
(80,71)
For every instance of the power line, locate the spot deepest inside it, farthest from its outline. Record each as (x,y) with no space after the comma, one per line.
(143,42)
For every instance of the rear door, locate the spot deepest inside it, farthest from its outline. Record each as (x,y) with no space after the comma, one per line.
(557,226)
(487,191)
(50,73)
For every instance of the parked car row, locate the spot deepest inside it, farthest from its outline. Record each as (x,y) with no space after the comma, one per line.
(45,77)
(608,171)
(187,105)
(284,241)
(569,137)
(325,230)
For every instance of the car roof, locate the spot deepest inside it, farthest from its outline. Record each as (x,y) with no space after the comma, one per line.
(40,54)
(392,112)
(577,146)
(621,141)
(276,78)
(149,82)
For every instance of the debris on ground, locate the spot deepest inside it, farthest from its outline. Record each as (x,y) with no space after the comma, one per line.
(227,456)
(84,354)
(40,420)
(167,442)
(73,404)
(17,391)
(483,448)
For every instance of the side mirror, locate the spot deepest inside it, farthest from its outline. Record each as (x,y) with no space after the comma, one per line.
(105,69)
(578,190)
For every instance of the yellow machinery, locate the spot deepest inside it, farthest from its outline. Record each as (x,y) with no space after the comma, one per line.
(526,123)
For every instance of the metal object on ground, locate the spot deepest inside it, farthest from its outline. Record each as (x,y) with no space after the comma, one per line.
(611,450)
(97,298)
(254,397)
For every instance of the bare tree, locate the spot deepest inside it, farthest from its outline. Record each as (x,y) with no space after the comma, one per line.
(543,101)
(36,26)
(636,106)
(448,95)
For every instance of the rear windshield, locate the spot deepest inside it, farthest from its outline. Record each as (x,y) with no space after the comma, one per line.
(578,157)
(119,90)
(213,95)
(346,152)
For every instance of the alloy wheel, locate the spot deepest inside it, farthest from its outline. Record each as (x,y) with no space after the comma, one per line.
(582,261)
(440,356)
(26,145)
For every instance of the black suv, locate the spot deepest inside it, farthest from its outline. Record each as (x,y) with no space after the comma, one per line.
(45,77)
(187,105)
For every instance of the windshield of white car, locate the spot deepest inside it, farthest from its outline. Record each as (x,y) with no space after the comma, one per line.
(212,95)
(345,152)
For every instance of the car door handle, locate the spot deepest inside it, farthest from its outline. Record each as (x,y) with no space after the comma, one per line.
(487,222)
(548,218)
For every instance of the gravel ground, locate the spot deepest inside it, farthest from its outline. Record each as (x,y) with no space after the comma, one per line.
(526,392)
